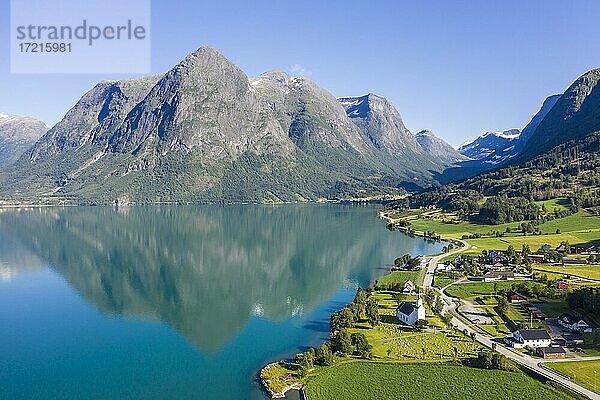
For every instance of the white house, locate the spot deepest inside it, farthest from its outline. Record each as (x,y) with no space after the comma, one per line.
(408,287)
(532,338)
(409,313)
(574,323)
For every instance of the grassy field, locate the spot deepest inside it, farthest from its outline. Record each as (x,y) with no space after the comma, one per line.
(443,279)
(398,277)
(433,381)
(586,271)
(469,291)
(581,227)
(582,371)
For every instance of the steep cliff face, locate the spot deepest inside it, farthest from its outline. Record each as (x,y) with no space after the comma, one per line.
(382,123)
(98,113)
(574,115)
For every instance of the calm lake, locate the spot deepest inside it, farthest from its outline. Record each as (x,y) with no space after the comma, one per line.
(176,302)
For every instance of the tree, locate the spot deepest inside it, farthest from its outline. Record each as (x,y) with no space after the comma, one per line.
(473,336)
(361,302)
(438,306)
(306,360)
(323,355)
(502,305)
(372,311)
(361,345)
(341,342)
(447,319)
(510,252)
(341,319)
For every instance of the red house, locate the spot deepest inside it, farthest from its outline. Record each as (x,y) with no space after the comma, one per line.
(513,297)
(562,285)
(537,258)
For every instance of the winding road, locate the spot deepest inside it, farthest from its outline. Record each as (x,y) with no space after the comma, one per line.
(451,305)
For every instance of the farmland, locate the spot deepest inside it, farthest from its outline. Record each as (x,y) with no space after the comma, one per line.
(585,271)
(583,372)
(433,381)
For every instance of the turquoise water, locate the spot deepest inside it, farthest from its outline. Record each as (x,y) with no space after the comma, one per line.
(175,302)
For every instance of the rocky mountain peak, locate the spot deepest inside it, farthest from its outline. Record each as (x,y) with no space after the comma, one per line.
(438,148)
(17,135)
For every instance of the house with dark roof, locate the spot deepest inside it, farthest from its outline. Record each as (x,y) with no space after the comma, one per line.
(494,276)
(573,262)
(532,338)
(409,313)
(574,323)
(551,352)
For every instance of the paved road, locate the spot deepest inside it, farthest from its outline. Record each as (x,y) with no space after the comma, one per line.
(433,262)
(450,305)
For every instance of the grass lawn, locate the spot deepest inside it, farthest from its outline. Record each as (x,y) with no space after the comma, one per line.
(457,230)
(534,242)
(469,291)
(433,381)
(582,371)
(580,221)
(552,204)
(395,277)
(443,279)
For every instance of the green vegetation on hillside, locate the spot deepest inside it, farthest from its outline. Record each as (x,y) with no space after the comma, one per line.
(570,171)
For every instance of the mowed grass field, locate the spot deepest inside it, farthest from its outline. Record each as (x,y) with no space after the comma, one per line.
(395,277)
(581,227)
(585,271)
(582,371)
(432,381)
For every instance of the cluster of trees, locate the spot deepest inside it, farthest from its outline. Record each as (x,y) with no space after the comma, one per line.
(341,341)
(585,299)
(543,289)
(352,313)
(502,209)
(494,360)
(344,343)
(407,262)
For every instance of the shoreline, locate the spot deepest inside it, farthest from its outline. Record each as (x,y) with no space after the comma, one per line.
(381,214)
(116,203)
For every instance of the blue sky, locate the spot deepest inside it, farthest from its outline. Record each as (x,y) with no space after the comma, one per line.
(456,68)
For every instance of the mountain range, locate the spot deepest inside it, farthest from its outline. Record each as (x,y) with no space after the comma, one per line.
(205,132)
(492,148)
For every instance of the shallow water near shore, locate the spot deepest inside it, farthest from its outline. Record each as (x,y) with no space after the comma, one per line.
(176,302)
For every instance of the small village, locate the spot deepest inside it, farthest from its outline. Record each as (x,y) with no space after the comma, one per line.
(466,309)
